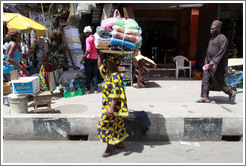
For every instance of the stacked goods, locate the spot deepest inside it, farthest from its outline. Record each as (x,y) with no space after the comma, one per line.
(71,38)
(118,34)
(102,38)
(127,34)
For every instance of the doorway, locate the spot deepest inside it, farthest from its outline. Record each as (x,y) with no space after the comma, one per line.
(160,40)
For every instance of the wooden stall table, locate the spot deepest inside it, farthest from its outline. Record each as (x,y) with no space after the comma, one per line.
(42,99)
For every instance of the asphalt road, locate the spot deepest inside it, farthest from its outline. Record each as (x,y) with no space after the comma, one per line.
(140,153)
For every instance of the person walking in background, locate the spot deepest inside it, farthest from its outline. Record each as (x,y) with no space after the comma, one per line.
(216,61)
(111,128)
(90,59)
(12,54)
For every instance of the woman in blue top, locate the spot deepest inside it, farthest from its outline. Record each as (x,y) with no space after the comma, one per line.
(11,60)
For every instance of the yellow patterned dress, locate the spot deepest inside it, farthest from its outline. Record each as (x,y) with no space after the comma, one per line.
(112,130)
(56,60)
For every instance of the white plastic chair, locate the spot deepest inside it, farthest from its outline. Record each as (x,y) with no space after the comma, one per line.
(180,64)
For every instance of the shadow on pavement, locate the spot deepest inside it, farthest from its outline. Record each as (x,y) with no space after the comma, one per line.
(144,126)
(221,99)
(151,84)
(138,146)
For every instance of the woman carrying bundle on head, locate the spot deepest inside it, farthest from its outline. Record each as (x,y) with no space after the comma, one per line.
(111,128)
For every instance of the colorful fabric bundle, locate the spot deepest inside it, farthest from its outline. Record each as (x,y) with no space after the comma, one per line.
(74,46)
(126,34)
(101,40)
(127,24)
(125,44)
(103,33)
(131,24)
(107,24)
(135,32)
(119,22)
(127,37)
(103,46)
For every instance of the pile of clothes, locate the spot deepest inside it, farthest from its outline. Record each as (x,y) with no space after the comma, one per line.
(71,38)
(118,34)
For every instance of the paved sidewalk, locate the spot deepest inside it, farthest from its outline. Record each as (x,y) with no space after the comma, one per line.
(170,105)
(140,153)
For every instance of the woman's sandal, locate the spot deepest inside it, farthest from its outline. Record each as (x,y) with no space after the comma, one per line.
(202,101)
(108,151)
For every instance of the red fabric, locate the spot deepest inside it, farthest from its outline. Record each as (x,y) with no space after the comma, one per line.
(48,67)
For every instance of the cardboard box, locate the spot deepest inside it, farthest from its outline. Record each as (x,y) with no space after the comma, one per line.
(25,85)
(6,88)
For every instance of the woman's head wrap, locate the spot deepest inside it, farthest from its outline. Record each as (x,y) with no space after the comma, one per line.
(114,58)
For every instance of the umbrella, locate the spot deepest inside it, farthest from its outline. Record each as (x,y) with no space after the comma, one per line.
(235,61)
(22,23)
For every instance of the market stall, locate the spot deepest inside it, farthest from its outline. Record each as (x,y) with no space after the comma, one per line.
(234,71)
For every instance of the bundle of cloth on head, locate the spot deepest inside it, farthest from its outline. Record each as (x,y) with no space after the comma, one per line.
(116,33)
(126,34)
(102,38)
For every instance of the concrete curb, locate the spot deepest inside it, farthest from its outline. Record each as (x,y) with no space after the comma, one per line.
(65,127)
(170,105)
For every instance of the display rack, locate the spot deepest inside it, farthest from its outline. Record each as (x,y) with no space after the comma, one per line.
(125,69)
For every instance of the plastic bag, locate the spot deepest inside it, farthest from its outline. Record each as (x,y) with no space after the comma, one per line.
(119,22)
(131,24)
(107,24)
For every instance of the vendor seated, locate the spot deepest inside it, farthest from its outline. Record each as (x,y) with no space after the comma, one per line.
(55,61)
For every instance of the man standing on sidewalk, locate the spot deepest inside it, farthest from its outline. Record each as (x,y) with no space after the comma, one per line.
(90,58)
(217,60)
